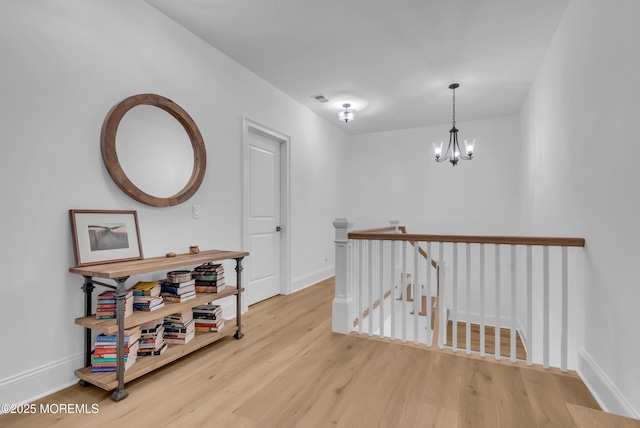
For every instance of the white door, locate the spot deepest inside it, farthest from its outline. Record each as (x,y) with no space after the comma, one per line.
(264,218)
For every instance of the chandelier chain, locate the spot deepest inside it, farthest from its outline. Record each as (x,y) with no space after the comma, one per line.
(454,107)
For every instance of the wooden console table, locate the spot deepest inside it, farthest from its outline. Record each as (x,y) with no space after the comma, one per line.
(120,272)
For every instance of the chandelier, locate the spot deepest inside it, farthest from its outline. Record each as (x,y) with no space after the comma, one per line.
(453,153)
(347,114)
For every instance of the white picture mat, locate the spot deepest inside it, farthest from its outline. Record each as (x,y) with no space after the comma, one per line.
(86,255)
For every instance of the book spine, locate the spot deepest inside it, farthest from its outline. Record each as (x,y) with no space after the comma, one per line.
(107,360)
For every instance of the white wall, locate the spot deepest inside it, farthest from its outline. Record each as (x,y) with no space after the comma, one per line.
(580,177)
(64,65)
(394,174)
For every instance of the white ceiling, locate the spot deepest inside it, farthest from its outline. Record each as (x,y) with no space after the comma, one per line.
(392,60)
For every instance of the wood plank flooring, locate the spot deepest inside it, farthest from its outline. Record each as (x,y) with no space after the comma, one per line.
(589,418)
(489,336)
(290,370)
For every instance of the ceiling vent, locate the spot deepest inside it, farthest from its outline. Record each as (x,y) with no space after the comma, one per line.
(320,98)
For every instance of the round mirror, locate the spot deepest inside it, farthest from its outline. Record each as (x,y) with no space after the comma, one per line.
(153,150)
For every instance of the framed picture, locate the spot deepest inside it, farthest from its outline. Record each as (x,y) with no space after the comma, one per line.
(105,236)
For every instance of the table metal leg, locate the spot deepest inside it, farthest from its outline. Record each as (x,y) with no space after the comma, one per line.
(88,288)
(238,335)
(121,293)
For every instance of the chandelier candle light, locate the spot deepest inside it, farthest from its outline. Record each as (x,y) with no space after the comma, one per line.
(453,153)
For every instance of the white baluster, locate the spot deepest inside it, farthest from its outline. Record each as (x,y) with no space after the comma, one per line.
(381,276)
(429,304)
(361,280)
(371,285)
(564,335)
(353,267)
(454,311)
(442,335)
(404,291)
(417,295)
(392,273)
(482,309)
(513,304)
(496,330)
(468,303)
(545,303)
(529,306)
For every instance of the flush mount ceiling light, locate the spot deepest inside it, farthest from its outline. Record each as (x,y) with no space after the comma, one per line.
(347,114)
(453,153)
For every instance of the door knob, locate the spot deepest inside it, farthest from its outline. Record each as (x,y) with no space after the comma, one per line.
(278,228)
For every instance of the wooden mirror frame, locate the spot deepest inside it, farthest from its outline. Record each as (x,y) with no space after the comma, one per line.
(110,156)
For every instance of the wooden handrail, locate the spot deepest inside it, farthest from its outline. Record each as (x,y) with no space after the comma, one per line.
(379,230)
(508,240)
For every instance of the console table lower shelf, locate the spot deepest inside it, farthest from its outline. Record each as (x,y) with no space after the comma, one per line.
(147,364)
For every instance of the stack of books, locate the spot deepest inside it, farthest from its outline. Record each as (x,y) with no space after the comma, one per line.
(208,318)
(179,328)
(178,291)
(104,357)
(147,303)
(106,306)
(151,338)
(146,288)
(209,278)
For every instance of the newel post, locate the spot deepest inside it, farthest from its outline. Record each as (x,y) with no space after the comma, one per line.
(342,310)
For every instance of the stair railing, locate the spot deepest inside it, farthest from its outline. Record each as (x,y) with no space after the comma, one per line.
(413,286)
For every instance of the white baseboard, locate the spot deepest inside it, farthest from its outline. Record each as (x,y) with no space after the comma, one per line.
(308,280)
(34,384)
(602,389)
(39,382)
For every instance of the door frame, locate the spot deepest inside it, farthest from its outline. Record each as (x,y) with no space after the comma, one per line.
(251,126)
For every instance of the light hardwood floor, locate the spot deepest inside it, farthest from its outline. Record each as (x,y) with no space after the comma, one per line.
(290,370)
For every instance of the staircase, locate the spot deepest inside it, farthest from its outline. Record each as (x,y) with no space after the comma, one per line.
(473,329)
(486,295)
